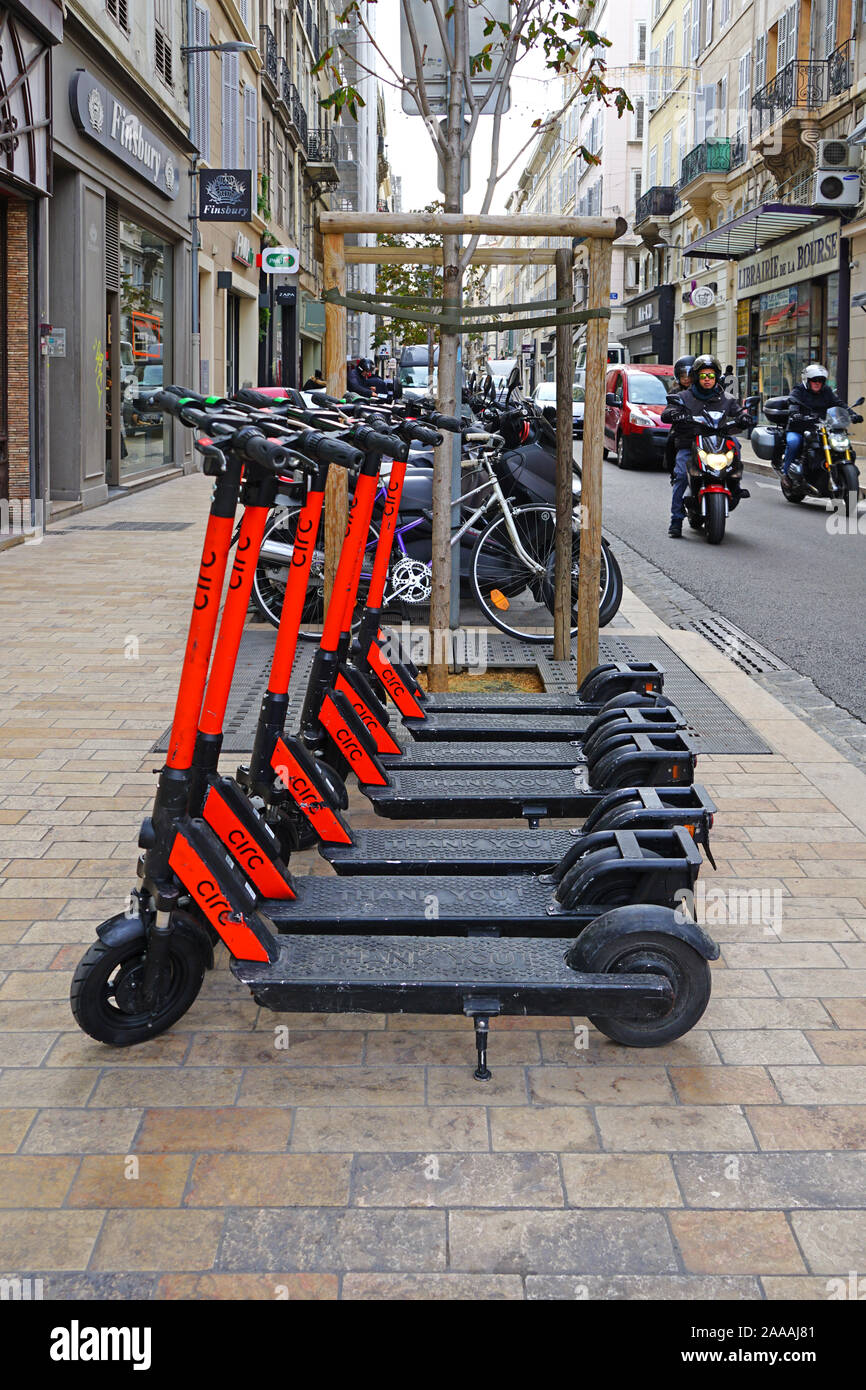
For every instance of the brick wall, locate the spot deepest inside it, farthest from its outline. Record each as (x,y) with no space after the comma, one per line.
(18,346)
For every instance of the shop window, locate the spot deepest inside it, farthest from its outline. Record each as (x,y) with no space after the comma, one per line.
(144,321)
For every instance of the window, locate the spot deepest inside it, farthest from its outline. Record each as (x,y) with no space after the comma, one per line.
(744,91)
(231,101)
(201,82)
(637,119)
(653,89)
(632,272)
(696,28)
(653,167)
(720,124)
(682,137)
(250,131)
(119,12)
(162,40)
(724,14)
(640,42)
(760,61)
(244,7)
(636,189)
(667,155)
(708,22)
(687,33)
(668,62)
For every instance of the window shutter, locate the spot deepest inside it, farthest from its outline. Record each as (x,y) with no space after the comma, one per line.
(667,153)
(638,118)
(112,246)
(760,61)
(250,131)
(687,33)
(230,71)
(830,27)
(641,42)
(696,28)
(653,90)
(708,26)
(201,80)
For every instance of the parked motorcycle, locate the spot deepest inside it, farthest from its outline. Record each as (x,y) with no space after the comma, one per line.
(826,465)
(715,470)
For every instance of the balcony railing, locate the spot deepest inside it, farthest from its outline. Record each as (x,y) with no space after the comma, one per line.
(268,46)
(711,156)
(297,113)
(658,201)
(807,85)
(321,147)
(739,149)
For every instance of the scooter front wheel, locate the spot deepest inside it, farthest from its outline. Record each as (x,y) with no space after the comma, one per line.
(106,989)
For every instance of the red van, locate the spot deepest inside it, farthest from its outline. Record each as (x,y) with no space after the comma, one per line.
(636,396)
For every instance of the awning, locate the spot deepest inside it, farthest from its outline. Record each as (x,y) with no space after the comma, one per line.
(750,233)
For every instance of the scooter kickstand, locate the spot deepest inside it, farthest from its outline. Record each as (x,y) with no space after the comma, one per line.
(481,1011)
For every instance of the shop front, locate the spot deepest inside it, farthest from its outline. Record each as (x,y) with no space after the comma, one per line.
(28,35)
(788,311)
(649,326)
(119,267)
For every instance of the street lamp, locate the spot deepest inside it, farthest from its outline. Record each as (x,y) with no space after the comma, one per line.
(187,50)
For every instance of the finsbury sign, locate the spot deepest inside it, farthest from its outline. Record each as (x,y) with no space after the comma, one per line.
(100,116)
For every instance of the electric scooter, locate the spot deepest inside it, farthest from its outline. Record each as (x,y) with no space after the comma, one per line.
(639,972)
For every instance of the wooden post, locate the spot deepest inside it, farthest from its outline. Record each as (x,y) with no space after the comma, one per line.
(337,489)
(600,255)
(564,464)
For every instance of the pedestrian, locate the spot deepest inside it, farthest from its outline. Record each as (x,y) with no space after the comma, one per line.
(729,382)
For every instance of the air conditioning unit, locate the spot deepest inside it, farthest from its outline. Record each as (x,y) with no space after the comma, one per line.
(836,189)
(837,154)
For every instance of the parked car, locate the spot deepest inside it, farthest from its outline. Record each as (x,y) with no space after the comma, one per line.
(544,396)
(413,371)
(500,368)
(636,397)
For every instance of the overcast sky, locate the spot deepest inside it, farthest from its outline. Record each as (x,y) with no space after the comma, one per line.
(411,151)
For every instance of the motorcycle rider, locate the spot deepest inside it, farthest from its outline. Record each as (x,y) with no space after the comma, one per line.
(359,378)
(682,367)
(705,389)
(809,401)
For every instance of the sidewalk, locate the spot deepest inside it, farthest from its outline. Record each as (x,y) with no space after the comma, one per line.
(363,1161)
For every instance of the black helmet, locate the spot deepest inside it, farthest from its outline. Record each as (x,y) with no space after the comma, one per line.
(364,364)
(705,363)
(683,366)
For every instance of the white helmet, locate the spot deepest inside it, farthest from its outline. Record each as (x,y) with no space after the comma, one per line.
(815,372)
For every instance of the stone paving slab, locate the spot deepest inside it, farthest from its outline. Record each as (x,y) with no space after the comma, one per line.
(359,1159)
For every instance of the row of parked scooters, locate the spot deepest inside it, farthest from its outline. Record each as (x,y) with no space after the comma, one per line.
(525,919)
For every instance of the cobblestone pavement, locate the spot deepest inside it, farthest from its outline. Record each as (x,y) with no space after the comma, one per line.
(362,1160)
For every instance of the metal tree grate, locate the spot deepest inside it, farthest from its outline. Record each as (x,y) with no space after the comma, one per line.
(713,724)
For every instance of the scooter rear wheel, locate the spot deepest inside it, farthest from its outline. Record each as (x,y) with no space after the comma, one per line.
(651,953)
(104,988)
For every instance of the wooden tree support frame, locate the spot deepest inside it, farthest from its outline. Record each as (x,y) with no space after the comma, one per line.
(598,233)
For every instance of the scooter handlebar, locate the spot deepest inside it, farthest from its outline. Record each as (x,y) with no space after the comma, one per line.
(410,429)
(377,442)
(322,398)
(326,448)
(267,452)
(446,422)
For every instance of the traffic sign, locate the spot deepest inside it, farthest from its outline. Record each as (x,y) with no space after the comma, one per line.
(281,260)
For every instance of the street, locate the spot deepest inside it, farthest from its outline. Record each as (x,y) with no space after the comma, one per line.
(779,574)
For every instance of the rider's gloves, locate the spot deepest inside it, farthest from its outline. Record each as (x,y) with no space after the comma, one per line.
(856,419)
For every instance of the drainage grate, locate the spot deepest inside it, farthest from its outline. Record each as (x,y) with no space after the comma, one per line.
(736,645)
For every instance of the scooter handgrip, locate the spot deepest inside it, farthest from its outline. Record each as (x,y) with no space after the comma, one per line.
(446,422)
(323,399)
(267,452)
(377,442)
(247,396)
(186,394)
(326,448)
(410,429)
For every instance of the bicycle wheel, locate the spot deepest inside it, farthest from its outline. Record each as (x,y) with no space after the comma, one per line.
(515,599)
(269,581)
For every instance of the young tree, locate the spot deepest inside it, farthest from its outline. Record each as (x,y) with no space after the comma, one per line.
(480,52)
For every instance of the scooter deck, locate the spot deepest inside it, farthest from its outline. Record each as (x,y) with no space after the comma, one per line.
(511,850)
(530,793)
(481,726)
(443,975)
(484,755)
(657,863)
